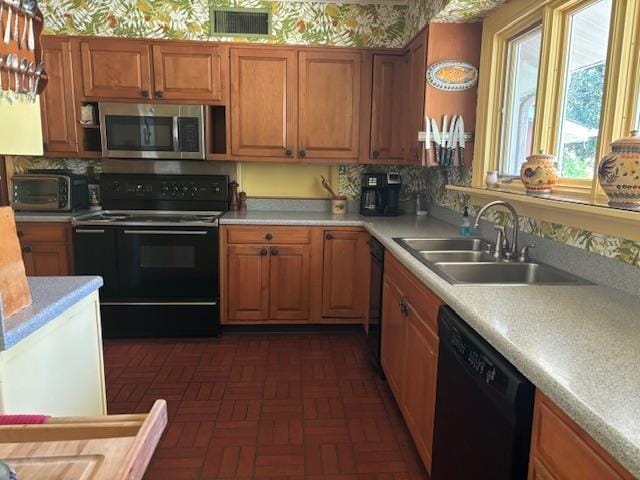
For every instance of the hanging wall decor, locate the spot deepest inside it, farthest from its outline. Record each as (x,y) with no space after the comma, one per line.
(452,75)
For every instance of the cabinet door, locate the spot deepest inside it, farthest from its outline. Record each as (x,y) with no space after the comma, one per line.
(190,72)
(46,259)
(114,68)
(419,390)
(329,104)
(415,99)
(248,282)
(345,276)
(263,86)
(290,283)
(387,108)
(394,338)
(57,100)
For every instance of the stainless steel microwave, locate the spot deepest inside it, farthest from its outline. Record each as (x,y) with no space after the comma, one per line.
(155,131)
(49,192)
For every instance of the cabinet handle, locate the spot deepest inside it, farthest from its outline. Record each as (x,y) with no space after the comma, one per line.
(145,93)
(268,236)
(302,153)
(329,236)
(26,249)
(264,252)
(274,251)
(159,94)
(288,152)
(375,154)
(404,307)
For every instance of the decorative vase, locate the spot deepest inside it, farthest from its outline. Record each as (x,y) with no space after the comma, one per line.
(539,174)
(339,205)
(492,179)
(619,173)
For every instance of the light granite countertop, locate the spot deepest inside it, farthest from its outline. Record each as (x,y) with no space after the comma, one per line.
(51,296)
(580,345)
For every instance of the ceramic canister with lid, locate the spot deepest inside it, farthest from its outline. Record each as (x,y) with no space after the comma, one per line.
(619,173)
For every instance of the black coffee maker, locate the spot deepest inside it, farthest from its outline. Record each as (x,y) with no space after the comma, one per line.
(380,195)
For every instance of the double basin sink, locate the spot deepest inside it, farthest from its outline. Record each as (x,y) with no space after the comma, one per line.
(468,261)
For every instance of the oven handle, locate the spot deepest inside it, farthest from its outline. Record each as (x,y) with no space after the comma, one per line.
(81,230)
(157,303)
(176,135)
(165,232)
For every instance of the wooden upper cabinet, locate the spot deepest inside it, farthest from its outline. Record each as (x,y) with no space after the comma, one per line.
(387,107)
(263,103)
(290,282)
(118,69)
(416,95)
(329,104)
(344,288)
(562,450)
(57,102)
(247,283)
(190,72)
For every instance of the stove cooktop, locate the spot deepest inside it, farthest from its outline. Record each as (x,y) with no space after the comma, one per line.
(150,218)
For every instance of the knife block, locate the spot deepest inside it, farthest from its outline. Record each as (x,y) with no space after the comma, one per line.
(14,288)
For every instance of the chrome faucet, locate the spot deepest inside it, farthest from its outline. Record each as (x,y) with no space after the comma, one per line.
(503,248)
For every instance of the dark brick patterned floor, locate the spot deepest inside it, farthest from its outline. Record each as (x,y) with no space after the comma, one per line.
(264,406)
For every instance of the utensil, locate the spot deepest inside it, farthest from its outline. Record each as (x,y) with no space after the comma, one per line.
(437,140)
(23,37)
(7,67)
(327,187)
(461,141)
(452,141)
(30,71)
(31,7)
(1,68)
(37,74)
(443,144)
(23,72)
(7,27)
(16,17)
(15,67)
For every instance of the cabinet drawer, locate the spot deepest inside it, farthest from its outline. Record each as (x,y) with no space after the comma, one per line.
(565,450)
(42,232)
(269,235)
(426,303)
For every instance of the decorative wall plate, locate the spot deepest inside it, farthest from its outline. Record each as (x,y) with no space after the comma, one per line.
(452,75)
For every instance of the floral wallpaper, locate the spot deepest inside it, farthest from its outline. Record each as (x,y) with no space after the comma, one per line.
(299,23)
(466,10)
(432,181)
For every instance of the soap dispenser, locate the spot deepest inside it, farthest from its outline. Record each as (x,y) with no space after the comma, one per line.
(465,225)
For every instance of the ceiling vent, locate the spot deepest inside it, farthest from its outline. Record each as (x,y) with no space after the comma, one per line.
(252,22)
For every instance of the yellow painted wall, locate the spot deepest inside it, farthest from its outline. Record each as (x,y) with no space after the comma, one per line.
(20,128)
(285,180)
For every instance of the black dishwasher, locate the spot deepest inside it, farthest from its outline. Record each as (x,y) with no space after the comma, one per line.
(484,409)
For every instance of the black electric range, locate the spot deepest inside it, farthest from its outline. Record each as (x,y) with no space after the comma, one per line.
(156,246)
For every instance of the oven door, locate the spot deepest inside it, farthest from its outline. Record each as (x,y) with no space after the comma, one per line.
(168,264)
(152,131)
(39,193)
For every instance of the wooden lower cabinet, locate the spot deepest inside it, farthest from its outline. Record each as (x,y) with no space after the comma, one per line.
(345,262)
(562,450)
(248,283)
(290,283)
(410,351)
(276,274)
(46,248)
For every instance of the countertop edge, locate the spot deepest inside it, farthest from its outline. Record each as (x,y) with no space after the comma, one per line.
(46,314)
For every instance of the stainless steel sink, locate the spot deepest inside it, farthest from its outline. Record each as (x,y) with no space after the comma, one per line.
(467,261)
(505,274)
(443,244)
(456,256)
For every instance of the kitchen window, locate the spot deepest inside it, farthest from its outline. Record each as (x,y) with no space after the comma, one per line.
(523,64)
(584,80)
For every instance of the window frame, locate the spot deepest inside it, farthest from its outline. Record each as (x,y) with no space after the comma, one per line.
(619,111)
(506,123)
